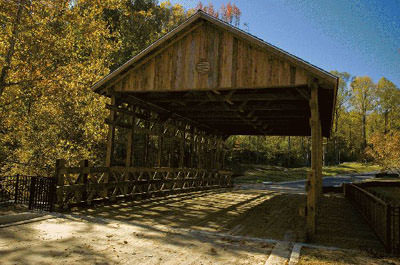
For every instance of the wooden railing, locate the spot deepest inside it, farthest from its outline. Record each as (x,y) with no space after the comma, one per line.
(383,217)
(86,184)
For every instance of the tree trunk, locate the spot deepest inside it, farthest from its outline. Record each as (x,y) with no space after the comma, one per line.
(289,150)
(11,48)
(364,131)
(386,116)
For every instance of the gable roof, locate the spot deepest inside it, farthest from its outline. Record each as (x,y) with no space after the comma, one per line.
(312,69)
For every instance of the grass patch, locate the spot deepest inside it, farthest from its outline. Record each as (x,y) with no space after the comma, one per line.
(250,173)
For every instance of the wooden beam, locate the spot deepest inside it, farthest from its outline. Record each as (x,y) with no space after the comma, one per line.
(237,112)
(315,176)
(226,97)
(110,144)
(257,106)
(254,119)
(160,110)
(111,135)
(130,139)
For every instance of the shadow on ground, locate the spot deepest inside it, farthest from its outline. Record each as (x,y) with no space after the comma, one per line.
(254,213)
(145,234)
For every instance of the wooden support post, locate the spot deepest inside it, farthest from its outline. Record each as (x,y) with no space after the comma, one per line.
(182,148)
(200,147)
(160,144)
(110,143)
(146,141)
(129,143)
(319,164)
(192,142)
(217,152)
(60,165)
(111,134)
(314,181)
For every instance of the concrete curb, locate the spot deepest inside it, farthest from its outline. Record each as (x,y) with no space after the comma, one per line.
(23,218)
(295,256)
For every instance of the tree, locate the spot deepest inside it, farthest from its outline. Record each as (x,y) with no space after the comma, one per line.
(342,99)
(137,24)
(363,101)
(229,13)
(385,149)
(53,52)
(388,100)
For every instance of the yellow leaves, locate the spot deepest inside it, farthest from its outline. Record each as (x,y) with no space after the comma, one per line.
(165,4)
(385,149)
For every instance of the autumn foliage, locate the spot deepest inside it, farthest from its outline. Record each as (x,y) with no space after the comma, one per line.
(385,150)
(52,51)
(229,13)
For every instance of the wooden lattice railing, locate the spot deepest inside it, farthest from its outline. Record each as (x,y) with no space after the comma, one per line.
(86,185)
(382,215)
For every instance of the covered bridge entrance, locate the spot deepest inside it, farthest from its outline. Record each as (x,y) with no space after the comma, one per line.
(174,104)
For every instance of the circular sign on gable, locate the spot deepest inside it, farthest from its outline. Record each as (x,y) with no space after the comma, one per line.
(203,66)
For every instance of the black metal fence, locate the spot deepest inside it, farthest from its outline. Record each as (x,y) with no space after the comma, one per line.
(382,216)
(36,192)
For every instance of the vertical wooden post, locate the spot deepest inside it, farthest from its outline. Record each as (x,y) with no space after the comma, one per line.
(110,144)
(182,146)
(146,140)
(314,181)
(160,144)
(217,152)
(111,134)
(200,147)
(320,162)
(60,165)
(389,228)
(193,147)
(129,143)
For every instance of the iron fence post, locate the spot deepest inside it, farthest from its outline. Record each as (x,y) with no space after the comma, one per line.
(16,189)
(32,193)
(52,194)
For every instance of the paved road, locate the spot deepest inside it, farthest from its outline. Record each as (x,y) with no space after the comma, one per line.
(298,186)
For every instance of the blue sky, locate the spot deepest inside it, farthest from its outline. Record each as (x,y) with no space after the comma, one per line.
(361,37)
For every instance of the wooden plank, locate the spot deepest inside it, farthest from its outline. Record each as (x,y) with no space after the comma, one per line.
(111,135)
(276,52)
(314,177)
(150,72)
(213,58)
(110,144)
(149,57)
(180,64)
(190,51)
(130,140)
(160,144)
(226,60)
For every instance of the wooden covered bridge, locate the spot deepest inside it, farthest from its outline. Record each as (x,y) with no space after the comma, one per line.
(174,104)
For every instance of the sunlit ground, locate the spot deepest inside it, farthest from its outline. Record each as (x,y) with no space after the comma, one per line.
(252,173)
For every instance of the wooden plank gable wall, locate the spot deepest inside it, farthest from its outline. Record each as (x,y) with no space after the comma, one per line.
(206,57)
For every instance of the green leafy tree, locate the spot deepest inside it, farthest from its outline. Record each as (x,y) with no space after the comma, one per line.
(388,100)
(363,101)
